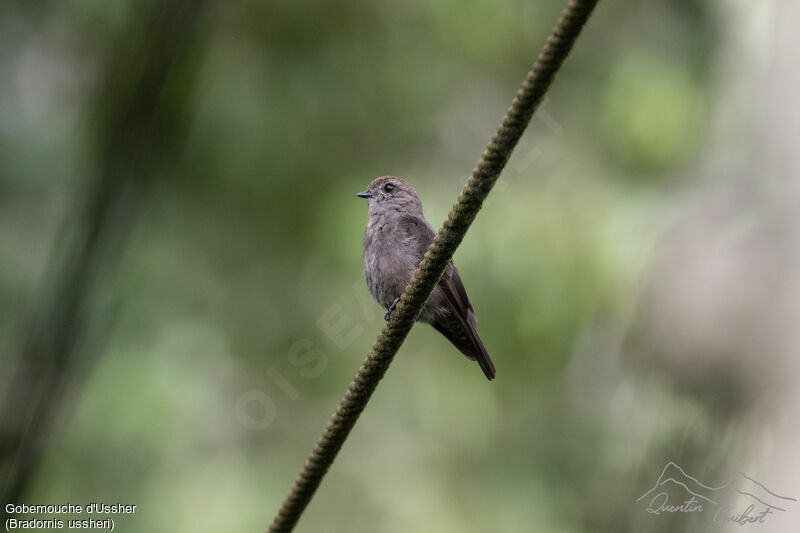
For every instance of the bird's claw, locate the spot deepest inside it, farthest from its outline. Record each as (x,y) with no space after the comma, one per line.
(391,308)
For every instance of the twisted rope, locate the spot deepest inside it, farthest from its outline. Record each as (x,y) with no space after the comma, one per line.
(439,254)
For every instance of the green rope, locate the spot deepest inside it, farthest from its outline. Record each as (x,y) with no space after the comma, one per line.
(433,264)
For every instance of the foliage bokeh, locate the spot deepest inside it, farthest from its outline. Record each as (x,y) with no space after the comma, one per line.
(244,255)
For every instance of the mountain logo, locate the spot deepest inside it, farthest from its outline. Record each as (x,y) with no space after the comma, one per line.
(742,499)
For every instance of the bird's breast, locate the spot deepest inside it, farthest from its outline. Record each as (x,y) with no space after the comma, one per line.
(388,266)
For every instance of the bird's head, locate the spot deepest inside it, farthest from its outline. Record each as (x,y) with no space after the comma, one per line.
(391,193)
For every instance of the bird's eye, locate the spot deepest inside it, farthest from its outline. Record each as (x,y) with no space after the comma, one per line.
(388,187)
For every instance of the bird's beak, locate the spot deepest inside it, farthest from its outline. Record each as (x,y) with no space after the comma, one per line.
(364,194)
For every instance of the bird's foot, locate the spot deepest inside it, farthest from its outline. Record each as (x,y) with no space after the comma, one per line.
(391,308)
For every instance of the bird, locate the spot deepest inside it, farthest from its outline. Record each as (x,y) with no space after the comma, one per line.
(395,240)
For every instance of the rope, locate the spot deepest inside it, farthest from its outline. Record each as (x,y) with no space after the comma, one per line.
(439,254)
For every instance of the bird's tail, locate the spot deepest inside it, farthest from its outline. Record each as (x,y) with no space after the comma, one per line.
(480,354)
(464,336)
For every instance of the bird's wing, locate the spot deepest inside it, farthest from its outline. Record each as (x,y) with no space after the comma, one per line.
(460,328)
(418,233)
(416,227)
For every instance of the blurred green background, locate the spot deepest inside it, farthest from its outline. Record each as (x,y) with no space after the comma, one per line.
(634,273)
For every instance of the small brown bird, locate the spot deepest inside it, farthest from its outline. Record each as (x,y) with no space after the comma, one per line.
(395,240)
